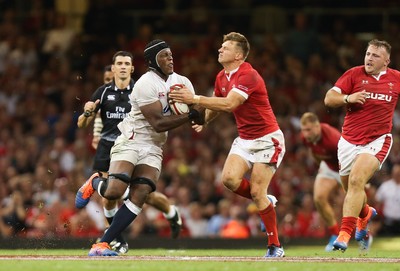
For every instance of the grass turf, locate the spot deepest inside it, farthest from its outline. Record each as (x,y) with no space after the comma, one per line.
(299,258)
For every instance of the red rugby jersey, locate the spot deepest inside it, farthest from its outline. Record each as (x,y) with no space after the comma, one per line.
(364,123)
(255,117)
(326,147)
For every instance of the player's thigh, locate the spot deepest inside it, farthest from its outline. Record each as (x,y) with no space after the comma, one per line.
(146,171)
(323,187)
(363,169)
(261,176)
(234,169)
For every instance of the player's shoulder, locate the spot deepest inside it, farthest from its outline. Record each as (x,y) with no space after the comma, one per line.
(147,79)
(327,126)
(99,92)
(220,74)
(357,70)
(246,70)
(176,77)
(394,72)
(329,131)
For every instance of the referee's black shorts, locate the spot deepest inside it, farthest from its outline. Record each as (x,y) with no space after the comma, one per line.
(102,156)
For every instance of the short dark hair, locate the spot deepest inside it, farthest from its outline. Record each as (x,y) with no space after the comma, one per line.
(381,43)
(122,53)
(107,68)
(241,41)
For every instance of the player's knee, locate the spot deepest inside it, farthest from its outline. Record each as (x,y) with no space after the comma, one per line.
(319,199)
(115,186)
(113,193)
(230,182)
(355,182)
(142,188)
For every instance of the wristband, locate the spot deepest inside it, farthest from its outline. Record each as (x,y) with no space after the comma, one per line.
(193,114)
(346,99)
(87,114)
(196,99)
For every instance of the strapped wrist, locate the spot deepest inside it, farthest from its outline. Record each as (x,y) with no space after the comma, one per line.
(346,99)
(193,114)
(87,113)
(196,99)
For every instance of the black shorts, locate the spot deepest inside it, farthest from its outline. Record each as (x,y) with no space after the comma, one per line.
(102,156)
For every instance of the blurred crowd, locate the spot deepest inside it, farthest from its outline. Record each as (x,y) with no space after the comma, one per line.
(49,67)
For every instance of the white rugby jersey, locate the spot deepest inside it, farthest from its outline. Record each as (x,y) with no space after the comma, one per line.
(148,89)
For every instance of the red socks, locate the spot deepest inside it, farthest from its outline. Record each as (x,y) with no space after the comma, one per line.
(244,189)
(364,211)
(348,224)
(268,216)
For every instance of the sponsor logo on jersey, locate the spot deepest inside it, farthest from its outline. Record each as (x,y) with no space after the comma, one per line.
(111,97)
(116,115)
(379,96)
(119,113)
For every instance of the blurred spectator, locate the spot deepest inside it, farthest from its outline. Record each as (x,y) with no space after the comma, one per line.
(388,197)
(196,223)
(237,226)
(41,92)
(13,214)
(301,40)
(217,222)
(58,39)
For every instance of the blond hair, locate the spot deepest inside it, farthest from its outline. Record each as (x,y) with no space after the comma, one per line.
(381,43)
(309,117)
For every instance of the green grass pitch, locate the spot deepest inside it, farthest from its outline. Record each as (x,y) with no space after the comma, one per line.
(383,256)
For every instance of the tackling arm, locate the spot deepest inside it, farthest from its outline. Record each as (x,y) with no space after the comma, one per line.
(227,104)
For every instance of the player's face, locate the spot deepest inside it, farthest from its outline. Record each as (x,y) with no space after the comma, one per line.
(228,52)
(376,60)
(122,67)
(165,61)
(311,131)
(108,77)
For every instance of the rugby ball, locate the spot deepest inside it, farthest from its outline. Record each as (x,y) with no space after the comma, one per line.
(176,107)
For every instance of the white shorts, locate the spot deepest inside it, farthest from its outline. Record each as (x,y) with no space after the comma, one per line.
(348,152)
(137,153)
(268,149)
(326,172)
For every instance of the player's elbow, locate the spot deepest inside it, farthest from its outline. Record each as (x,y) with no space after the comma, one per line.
(159,126)
(329,100)
(160,129)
